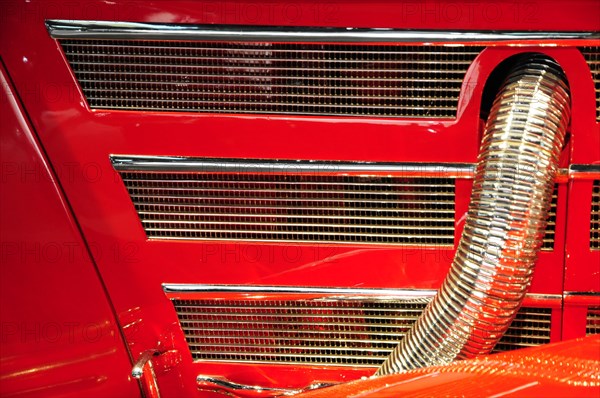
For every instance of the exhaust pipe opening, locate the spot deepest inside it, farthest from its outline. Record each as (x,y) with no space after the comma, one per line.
(503,233)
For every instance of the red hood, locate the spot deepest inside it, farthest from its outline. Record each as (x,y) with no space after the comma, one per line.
(557,370)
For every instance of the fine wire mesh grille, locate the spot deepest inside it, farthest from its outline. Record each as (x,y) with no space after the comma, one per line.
(550,233)
(592,56)
(595,217)
(271,78)
(294,207)
(593,321)
(530,327)
(342,332)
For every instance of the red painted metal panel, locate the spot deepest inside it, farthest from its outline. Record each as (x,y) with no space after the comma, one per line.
(575,312)
(582,265)
(450,15)
(58,333)
(78,142)
(559,370)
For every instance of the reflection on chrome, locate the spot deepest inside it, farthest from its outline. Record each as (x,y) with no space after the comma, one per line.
(222,385)
(60,29)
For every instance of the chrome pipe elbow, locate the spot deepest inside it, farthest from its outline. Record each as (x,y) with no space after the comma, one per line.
(503,232)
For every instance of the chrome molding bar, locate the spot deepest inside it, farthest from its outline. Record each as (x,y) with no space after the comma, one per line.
(176,163)
(71,29)
(544,297)
(341,292)
(220,384)
(335,292)
(584,171)
(169,164)
(138,368)
(582,294)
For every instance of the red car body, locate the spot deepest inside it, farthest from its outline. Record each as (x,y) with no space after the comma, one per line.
(82,292)
(554,370)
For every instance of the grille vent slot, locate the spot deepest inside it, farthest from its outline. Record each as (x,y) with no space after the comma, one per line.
(593,321)
(342,332)
(592,56)
(294,207)
(550,234)
(270,78)
(531,327)
(595,217)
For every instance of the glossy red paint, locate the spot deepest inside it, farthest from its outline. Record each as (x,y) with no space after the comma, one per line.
(575,312)
(568,369)
(78,142)
(460,15)
(59,336)
(582,266)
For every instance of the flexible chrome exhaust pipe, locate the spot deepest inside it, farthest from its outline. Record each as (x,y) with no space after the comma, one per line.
(512,190)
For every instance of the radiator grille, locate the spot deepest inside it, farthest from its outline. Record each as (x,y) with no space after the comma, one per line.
(270,78)
(593,321)
(592,56)
(294,208)
(595,217)
(318,332)
(530,327)
(550,234)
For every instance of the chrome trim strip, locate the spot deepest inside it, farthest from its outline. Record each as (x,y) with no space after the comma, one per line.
(335,291)
(181,163)
(445,246)
(582,294)
(168,164)
(138,368)
(73,29)
(583,169)
(219,383)
(393,293)
(223,385)
(538,296)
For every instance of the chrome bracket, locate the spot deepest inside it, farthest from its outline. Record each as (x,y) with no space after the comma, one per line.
(227,387)
(144,369)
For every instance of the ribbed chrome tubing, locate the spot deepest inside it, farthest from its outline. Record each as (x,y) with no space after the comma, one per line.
(503,233)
